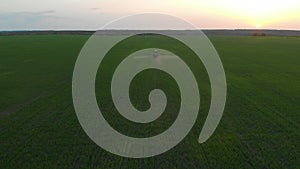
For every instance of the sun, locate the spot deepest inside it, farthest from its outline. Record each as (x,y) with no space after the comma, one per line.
(258,25)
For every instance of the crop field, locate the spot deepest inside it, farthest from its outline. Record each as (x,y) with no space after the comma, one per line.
(259,129)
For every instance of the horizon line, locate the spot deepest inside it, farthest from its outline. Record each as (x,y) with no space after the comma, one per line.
(94,30)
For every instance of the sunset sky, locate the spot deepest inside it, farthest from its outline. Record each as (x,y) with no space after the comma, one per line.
(205,14)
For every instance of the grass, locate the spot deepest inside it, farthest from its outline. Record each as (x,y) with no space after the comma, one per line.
(259,128)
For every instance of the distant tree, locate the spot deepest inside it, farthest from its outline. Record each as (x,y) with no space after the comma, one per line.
(258,34)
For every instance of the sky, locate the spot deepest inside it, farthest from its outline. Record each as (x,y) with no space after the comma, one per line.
(93,14)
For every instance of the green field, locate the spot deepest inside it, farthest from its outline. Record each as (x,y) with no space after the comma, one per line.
(259,129)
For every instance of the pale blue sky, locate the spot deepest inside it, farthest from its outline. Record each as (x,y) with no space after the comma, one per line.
(92,14)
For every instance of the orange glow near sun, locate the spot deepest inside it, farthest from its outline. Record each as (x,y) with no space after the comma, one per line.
(260,12)
(217,13)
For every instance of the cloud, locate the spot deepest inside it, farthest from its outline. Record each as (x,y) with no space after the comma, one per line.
(25,19)
(94,9)
(54,20)
(26,13)
(44,12)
